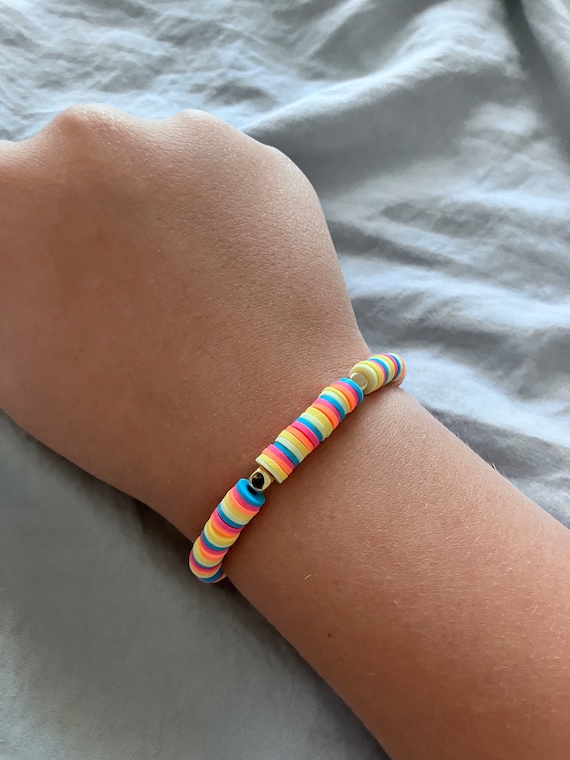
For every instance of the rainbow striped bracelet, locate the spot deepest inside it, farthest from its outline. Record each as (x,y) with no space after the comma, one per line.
(278,460)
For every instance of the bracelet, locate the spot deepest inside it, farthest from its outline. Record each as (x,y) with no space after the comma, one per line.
(278,460)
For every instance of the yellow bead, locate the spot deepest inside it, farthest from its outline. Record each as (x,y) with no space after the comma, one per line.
(202,559)
(294,447)
(231,511)
(292,439)
(341,398)
(216,538)
(272,468)
(320,420)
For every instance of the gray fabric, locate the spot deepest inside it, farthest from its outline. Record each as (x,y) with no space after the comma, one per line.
(436,134)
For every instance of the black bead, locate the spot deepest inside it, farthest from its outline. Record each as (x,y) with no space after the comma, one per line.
(258,480)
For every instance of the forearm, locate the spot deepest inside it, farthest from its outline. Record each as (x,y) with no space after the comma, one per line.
(421,585)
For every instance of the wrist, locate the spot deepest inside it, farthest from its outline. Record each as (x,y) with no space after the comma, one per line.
(228,446)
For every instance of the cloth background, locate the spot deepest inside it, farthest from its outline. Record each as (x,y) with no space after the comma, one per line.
(437,136)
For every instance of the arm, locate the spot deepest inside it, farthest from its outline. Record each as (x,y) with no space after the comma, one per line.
(429,593)
(170,300)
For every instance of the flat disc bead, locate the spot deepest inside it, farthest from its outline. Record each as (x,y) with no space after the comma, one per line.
(295,429)
(297,439)
(236,510)
(395,361)
(311,431)
(319,420)
(388,365)
(272,467)
(331,419)
(334,401)
(245,491)
(207,575)
(232,511)
(401,371)
(223,527)
(330,410)
(286,464)
(351,390)
(348,396)
(206,556)
(293,446)
(339,395)
(216,538)
(287,452)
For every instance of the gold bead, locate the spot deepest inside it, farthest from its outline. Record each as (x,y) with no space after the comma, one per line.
(370,372)
(260,479)
(359,379)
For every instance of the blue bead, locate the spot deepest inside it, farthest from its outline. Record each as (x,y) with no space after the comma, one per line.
(312,427)
(335,403)
(209,544)
(216,577)
(224,518)
(397,362)
(356,387)
(384,366)
(288,454)
(200,565)
(249,494)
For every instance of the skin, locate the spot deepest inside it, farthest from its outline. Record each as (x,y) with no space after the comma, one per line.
(170,300)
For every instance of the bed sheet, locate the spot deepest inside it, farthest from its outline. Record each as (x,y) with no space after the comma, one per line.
(436,134)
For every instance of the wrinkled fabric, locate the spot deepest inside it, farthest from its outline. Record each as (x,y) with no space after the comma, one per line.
(436,134)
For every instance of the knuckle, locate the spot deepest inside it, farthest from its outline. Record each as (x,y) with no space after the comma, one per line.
(89,119)
(79,117)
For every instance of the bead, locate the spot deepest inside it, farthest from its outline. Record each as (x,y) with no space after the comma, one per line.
(401,369)
(339,396)
(355,387)
(391,366)
(289,453)
(294,444)
(319,421)
(359,379)
(351,390)
(335,401)
(330,410)
(205,556)
(233,514)
(260,479)
(250,495)
(308,430)
(221,528)
(206,574)
(385,367)
(369,372)
(300,439)
(286,464)
(273,467)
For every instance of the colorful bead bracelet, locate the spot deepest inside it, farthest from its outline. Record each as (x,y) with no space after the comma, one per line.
(278,460)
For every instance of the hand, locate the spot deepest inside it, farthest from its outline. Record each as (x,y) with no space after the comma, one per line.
(170,298)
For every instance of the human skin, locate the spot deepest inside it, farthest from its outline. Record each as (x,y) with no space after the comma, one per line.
(170,299)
